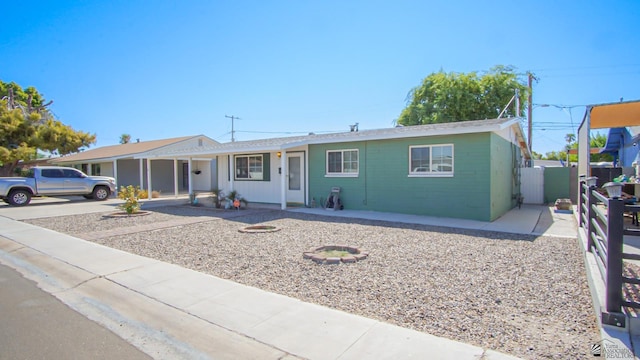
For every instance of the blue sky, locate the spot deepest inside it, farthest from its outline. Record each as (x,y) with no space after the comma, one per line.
(158,69)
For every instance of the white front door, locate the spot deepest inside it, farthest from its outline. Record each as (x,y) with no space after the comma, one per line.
(295,178)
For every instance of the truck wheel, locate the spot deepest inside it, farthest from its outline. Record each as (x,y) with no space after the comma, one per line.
(19,197)
(101,193)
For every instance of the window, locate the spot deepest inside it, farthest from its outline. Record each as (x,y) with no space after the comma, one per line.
(71,173)
(52,173)
(249,167)
(342,162)
(432,160)
(95,169)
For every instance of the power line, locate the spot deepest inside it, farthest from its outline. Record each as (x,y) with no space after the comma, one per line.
(225,134)
(288,132)
(587,67)
(592,74)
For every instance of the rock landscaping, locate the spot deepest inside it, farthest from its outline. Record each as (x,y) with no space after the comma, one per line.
(522,295)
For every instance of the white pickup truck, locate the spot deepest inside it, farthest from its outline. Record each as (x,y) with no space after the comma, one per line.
(55,181)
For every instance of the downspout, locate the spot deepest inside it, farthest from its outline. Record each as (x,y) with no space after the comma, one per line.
(366,196)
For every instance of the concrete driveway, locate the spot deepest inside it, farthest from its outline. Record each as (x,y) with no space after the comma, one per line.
(73,205)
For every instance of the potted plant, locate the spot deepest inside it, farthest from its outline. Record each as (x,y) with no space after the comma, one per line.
(193,199)
(234,195)
(217,196)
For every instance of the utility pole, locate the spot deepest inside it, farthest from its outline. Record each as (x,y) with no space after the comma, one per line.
(232,131)
(530,111)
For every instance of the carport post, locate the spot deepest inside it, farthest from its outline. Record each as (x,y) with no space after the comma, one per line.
(175,177)
(141,163)
(115,174)
(149,178)
(190,177)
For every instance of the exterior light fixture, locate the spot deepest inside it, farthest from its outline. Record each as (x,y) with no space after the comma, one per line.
(279,154)
(614,189)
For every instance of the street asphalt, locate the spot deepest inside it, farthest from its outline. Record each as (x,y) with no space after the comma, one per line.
(36,325)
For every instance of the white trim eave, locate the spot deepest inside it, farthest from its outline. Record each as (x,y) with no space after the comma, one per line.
(139,155)
(213,152)
(412,134)
(148,153)
(95,161)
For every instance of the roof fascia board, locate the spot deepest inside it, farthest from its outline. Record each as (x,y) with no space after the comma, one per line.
(213,152)
(421,133)
(315,139)
(142,154)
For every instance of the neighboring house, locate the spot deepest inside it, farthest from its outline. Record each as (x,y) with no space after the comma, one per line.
(133,164)
(468,170)
(623,120)
(622,144)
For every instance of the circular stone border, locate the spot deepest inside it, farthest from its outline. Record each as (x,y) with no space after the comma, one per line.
(124,214)
(356,254)
(259,229)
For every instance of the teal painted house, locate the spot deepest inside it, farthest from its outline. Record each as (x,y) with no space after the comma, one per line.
(467,170)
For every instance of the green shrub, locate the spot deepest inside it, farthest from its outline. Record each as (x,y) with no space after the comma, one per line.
(130,195)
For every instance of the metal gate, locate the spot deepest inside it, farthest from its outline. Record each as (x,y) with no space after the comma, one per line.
(532,185)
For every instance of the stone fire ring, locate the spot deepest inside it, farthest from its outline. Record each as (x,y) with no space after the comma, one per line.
(355,254)
(259,229)
(124,214)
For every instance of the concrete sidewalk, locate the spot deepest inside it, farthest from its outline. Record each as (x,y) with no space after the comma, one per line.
(171,312)
(528,220)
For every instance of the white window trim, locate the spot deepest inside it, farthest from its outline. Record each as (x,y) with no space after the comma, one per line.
(235,167)
(434,173)
(340,174)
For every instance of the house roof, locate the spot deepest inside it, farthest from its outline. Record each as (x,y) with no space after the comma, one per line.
(284,143)
(120,151)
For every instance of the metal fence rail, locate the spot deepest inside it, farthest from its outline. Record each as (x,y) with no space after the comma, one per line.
(602,218)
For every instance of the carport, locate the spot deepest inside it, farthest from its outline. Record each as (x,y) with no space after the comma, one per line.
(604,116)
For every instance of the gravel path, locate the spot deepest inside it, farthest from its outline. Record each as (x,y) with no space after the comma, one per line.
(520,295)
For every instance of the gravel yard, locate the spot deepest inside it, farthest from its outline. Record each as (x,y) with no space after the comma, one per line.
(516,294)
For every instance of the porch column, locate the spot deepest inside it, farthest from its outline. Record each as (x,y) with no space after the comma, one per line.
(232,175)
(175,177)
(150,189)
(89,169)
(306,177)
(283,180)
(115,174)
(190,176)
(141,172)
